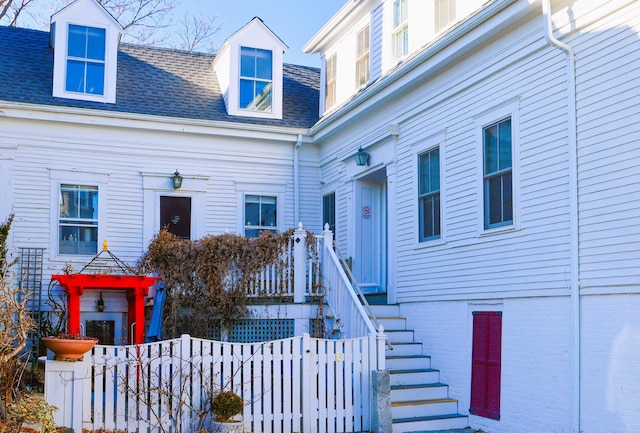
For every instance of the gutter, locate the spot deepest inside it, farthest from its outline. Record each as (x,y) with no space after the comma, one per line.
(296,180)
(573,208)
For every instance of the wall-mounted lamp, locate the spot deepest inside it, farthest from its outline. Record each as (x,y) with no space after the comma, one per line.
(176,180)
(361,157)
(100,304)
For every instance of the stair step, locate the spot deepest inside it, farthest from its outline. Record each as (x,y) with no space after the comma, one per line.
(406,362)
(407,349)
(409,377)
(388,310)
(422,391)
(404,336)
(409,409)
(393,323)
(425,423)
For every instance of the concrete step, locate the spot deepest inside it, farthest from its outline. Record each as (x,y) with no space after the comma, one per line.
(406,362)
(410,409)
(427,423)
(409,377)
(393,323)
(406,349)
(404,336)
(420,391)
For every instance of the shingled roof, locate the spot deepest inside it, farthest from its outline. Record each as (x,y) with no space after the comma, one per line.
(154,81)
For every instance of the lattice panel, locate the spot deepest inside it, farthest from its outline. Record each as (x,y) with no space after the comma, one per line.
(256,330)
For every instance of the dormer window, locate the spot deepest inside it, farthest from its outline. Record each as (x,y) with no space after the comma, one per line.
(256,79)
(85,60)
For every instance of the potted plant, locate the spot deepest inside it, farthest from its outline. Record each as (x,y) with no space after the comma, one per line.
(69,347)
(224,406)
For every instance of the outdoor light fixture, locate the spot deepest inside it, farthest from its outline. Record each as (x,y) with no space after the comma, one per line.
(176,180)
(100,304)
(361,157)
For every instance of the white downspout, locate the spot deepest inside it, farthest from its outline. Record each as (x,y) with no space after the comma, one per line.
(296,181)
(573,207)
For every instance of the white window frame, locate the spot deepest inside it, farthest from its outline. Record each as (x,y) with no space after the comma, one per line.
(330,82)
(86,61)
(363,58)
(261,189)
(437,140)
(255,80)
(64,177)
(400,30)
(450,6)
(486,118)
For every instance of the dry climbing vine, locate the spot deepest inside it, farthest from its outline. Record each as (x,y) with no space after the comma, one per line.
(207,280)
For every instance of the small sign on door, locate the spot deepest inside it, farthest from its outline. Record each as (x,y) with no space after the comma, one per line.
(366,211)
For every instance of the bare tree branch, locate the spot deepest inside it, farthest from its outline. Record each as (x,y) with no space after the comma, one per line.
(194,30)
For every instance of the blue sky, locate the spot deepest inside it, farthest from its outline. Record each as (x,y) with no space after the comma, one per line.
(294,21)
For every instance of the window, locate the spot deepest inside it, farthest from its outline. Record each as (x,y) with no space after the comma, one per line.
(445,13)
(498,176)
(329,211)
(429,194)
(260,213)
(362,57)
(486,360)
(78,220)
(330,85)
(85,60)
(400,29)
(256,79)
(175,215)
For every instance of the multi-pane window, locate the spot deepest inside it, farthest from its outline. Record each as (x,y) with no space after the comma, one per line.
(256,79)
(429,194)
(85,60)
(329,211)
(445,13)
(260,213)
(330,85)
(400,28)
(498,174)
(362,57)
(78,220)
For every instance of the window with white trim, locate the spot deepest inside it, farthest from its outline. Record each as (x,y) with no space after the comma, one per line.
(86,48)
(429,194)
(78,219)
(445,13)
(256,79)
(330,82)
(260,213)
(400,29)
(497,142)
(362,57)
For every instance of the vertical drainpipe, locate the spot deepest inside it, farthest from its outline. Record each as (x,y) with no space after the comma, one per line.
(574,217)
(296,182)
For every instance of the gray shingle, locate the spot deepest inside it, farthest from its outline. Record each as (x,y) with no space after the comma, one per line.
(156,81)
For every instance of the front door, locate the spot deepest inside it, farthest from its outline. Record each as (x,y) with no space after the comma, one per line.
(370,259)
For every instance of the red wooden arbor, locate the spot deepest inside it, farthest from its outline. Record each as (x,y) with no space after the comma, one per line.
(136,286)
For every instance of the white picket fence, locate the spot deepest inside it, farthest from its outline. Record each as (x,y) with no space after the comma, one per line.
(299,384)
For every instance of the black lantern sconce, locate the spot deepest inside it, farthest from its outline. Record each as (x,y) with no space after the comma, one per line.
(176,180)
(100,304)
(361,157)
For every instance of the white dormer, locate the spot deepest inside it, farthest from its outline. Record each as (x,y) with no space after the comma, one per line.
(84,37)
(249,71)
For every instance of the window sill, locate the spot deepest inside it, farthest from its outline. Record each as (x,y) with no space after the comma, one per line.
(498,230)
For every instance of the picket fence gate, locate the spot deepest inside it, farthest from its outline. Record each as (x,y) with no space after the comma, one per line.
(299,384)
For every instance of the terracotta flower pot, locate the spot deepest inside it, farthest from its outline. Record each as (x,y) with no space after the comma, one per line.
(68,349)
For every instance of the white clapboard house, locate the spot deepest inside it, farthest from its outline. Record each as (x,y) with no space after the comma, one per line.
(478,162)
